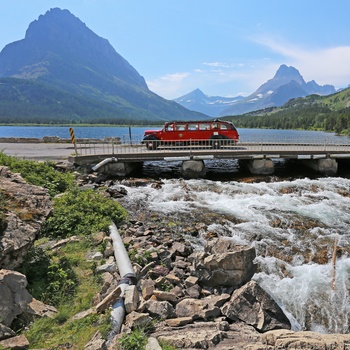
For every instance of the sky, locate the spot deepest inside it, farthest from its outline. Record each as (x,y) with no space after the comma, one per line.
(223,47)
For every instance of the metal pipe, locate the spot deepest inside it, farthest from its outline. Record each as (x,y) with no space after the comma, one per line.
(104,162)
(120,253)
(127,273)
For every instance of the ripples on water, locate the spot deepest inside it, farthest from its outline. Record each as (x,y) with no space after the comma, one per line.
(292,223)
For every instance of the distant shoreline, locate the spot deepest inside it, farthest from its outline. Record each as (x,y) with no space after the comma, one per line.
(84,125)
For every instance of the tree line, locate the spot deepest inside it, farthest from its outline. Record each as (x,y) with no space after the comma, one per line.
(318,117)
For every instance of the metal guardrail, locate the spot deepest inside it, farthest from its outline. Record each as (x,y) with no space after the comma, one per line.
(135,146)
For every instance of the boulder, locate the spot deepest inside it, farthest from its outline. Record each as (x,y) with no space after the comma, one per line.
(160,309)
(205,309)
(15,299)
(19,342)
(137,320)
(252,305)
(225,264)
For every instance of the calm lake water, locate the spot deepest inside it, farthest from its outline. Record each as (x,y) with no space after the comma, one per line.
(255,135)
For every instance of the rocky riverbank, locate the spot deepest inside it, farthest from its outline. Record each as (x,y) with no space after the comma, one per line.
(194,288)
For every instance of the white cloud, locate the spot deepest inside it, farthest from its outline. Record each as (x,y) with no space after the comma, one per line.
(168,85)
(223,64)
(215,79)
(324,65)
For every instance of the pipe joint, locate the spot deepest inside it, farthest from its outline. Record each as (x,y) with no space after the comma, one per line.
(129,279)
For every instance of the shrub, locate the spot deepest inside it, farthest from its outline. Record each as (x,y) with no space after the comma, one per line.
(51,279)
(82,212)
(136,340)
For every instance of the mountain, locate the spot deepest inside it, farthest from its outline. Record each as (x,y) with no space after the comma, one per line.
(60,52)
(313,112)
(210,105)
(285,85)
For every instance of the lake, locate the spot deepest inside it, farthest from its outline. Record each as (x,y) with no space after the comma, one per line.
(100,132)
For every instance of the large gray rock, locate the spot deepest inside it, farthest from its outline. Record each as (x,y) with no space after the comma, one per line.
(224,263)
(31,206)
(19,342)
(161,309)
(207,335)
(15,299)
(283,339)
(252,305)
(206,309)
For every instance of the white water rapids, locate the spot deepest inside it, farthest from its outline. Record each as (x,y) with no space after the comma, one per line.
(292,225)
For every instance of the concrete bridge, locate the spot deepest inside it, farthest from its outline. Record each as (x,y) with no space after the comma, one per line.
(115,158)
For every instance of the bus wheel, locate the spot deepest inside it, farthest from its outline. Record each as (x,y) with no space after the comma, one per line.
(152,143)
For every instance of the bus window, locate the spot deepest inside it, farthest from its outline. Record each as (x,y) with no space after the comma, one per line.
(204,126)
(180,127)
(224,126)
(191,126)
(169,127)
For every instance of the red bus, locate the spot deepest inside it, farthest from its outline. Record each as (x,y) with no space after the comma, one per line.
(215,133)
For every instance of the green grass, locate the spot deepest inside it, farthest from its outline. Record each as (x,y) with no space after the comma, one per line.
(51,333)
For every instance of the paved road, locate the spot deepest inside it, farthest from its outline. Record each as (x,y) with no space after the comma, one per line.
(38,151)
(61,151)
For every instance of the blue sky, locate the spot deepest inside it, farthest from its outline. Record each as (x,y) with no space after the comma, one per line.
(223,47)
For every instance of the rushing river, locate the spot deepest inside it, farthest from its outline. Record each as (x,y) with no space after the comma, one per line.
(293,226)
(294,220)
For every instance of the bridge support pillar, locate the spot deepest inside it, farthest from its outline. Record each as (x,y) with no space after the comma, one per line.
(121,169)
(193,169)
(263,166)
(326,166)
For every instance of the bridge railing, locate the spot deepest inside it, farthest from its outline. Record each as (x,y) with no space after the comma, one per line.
(117,146)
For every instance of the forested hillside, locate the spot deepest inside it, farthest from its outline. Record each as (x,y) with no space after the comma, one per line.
(329,113)
(27,101)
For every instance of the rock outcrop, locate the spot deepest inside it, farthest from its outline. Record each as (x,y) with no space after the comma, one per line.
(28,208)
(24,208)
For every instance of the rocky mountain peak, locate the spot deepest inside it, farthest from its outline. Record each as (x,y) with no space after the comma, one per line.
(290,72)
(284,75)
(56,23)
(56,38)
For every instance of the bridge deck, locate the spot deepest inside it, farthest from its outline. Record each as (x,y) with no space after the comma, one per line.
(97,151)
